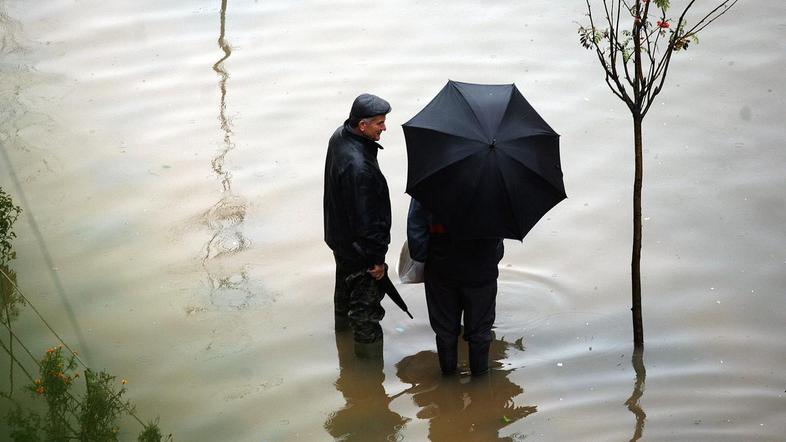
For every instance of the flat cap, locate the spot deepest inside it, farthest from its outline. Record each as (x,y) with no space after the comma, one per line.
(368,105)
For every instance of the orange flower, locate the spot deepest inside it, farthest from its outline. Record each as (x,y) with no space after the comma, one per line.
(39,390)
(124,381)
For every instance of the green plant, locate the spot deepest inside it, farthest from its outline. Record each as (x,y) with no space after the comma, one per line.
(152,433)
(54,385)
(9,212)
(101,408)
(92,418)
(10,299)
(24,425)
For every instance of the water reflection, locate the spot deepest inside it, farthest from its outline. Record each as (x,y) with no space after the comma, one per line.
(638,390)
(464,408)
(218,162)
(9,33)
(366,415)
(50,265)
(228,280)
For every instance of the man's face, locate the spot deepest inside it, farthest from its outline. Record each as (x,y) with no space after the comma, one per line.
(373,127)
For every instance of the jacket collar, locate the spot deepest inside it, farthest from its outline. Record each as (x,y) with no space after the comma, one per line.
(366,142)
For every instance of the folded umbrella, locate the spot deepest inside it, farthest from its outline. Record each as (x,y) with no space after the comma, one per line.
(385,284)
(387,287)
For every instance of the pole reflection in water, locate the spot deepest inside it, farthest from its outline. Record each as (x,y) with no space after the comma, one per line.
(461,408)
(218,67)
(366,415)
(638,390)
(228,279)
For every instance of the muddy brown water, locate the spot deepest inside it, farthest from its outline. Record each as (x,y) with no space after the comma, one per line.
(170,155)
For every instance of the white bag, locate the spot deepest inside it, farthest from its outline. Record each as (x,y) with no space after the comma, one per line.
(409,270)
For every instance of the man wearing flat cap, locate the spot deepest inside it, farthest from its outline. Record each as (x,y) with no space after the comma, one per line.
(357,221)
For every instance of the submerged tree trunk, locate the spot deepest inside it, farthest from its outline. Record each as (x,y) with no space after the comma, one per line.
(635,266)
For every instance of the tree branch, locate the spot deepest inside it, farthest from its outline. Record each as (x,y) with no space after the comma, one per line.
(643,25)
(611,72)
(682,16)
(615,46)
(652,49)
(708,19)
(663,66)
(654,92)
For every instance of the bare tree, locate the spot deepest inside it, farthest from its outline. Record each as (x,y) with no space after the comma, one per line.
(635,55)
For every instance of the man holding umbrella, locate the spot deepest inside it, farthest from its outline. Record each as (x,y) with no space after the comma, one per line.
(482,166)
(461,277)
(357,221)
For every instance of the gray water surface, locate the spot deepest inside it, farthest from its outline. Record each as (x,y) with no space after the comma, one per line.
(171,157)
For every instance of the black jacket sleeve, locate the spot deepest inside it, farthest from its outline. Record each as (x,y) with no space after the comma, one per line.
(366,199)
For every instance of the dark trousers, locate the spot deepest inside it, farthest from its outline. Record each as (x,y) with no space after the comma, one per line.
(358,299)
(447,300)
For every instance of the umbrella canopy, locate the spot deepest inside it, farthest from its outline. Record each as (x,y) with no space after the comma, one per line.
(483,161)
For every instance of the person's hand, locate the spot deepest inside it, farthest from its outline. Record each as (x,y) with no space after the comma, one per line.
(377,272)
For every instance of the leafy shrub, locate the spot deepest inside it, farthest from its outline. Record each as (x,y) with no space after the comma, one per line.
(92,418)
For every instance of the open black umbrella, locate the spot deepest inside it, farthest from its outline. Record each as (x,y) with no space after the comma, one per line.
(483,161)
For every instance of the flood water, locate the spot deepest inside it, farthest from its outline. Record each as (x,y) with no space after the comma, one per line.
(169,158)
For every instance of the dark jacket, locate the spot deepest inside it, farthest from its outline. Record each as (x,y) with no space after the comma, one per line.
(356,200)
(465,260)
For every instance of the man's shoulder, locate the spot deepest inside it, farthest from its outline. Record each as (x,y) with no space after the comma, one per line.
(337,133)
(345,162)
(344,146)
(342,141)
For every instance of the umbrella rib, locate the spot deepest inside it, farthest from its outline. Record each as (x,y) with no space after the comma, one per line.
(442,167)
(445,132)
(464,99)
(492,130)
(510,200)
(523,137)
(481,143)
(534,172)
